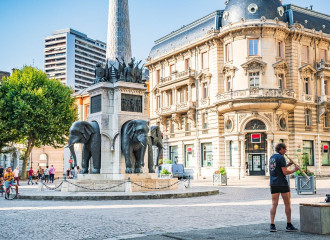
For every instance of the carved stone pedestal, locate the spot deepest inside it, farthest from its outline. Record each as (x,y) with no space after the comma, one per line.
(112,105)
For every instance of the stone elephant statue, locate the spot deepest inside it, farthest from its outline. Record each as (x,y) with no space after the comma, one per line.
(134,140)
(155,139)
(88,134)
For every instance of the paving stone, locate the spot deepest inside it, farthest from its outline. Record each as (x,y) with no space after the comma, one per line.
(241,204)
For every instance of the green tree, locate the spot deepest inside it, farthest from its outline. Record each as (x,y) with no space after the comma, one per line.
(36,110)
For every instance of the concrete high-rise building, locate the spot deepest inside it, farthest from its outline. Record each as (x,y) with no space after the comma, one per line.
(119,36)
(70,56)
(4,74)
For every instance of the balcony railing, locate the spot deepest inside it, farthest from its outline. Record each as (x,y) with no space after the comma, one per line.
(323,65)
(323,99)
(176,108)
(308,98)
(179,75)
(256,93)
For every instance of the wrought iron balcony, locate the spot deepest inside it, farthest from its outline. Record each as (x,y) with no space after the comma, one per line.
(255,93)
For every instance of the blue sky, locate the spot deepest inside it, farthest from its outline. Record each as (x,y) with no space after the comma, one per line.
(24,23)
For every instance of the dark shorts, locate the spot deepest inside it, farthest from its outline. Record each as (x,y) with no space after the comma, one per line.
(39,176)
(279,189)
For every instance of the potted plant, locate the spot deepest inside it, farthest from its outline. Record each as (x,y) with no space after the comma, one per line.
(302,183)
(165,174)
(220,176)
(167,161)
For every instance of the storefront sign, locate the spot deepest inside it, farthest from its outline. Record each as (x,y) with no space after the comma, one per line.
(256,138)
(325,148)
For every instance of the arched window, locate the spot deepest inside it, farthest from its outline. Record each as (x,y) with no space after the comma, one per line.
(255,125)
(43,160)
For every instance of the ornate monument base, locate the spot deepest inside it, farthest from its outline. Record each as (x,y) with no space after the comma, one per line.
(139,183)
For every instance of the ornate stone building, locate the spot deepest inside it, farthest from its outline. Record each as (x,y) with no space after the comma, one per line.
(228,87)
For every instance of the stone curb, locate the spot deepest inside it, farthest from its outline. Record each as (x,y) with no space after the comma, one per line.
(123,197)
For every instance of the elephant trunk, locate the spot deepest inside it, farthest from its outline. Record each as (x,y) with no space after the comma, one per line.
(73,154)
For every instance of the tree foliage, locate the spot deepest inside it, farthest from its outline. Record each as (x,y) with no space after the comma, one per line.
(35,109)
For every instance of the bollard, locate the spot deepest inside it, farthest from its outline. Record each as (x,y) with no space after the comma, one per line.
(181,185)
(189,182)
(65,187)
(128,186)
(40,186)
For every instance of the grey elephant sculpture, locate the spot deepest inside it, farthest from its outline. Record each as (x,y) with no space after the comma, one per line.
(88,134)
(134,140)
(155,139)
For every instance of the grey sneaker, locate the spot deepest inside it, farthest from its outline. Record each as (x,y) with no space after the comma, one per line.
(273,228)
(291,228)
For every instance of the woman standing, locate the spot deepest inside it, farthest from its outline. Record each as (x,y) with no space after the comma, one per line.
(16,175)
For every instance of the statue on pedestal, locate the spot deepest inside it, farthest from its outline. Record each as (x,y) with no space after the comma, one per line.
(125,72)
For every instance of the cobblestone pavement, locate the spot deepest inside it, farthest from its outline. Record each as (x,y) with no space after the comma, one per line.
(241,203)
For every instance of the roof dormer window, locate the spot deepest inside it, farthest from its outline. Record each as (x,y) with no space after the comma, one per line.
(253,8)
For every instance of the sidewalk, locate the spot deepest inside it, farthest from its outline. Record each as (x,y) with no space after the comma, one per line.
(256,231)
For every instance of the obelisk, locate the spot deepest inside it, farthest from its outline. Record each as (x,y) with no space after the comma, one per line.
(119,35)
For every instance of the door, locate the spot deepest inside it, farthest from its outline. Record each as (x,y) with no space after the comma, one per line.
(189,155)
(257,164)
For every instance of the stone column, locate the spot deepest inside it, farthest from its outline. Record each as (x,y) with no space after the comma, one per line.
(165,99)
(269,154)
(242,141)
(119,36)
(175,96)
(322,85)
(189,92)
(161,100)
(226,153)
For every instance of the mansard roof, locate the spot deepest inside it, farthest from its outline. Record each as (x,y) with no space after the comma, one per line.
(234,12)
(252,9)
(186,34)
(308,18)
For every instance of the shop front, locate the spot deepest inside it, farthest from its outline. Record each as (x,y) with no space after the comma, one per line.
(256,147)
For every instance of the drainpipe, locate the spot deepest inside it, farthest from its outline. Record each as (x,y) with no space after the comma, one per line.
(199,156)
(317,167)
(274,120)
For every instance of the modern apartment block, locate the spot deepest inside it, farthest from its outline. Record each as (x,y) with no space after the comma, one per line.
(4,74)
(70,56)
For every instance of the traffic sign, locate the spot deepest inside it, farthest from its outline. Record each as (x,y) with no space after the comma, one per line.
(70,161)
